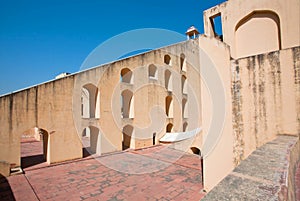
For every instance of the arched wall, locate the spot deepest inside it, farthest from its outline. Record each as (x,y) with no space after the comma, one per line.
(258,32)
(233,11)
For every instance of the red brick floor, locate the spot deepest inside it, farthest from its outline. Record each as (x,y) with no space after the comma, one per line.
(297,180)
(155,173)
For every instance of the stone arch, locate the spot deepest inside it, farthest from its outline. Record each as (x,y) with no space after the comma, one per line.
(185,126)
(152,72)
(169,106)
(126,137)
(168,80)
(167,60)
(91,141)
(127,104)
(90,101)
(184,84)
(182,62)
(184,108)
(259,27)
(126,76)
(37,138)
(169,128)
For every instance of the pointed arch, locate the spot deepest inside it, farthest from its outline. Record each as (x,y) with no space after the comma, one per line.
(185,127)
(90,101)
(169,106)
(152,72)
(167,60)
(182,62)
(169,128)
(91,141)
(184,108)
(127,104)
(126,76)
(168,80)
(127,134)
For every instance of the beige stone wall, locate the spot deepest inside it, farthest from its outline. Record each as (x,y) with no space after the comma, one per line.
(47,106)
(265,91)
(271,24)
(56,106)
(216,111)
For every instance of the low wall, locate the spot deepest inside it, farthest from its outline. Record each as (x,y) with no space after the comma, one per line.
(294,159)
(267,174)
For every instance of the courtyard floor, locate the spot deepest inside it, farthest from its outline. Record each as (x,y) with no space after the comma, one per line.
(154,173)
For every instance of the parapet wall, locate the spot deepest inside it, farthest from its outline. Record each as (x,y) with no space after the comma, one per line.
(265,175)
(265,93)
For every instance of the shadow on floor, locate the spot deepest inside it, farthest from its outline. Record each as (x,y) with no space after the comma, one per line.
(29,161)
(5,190)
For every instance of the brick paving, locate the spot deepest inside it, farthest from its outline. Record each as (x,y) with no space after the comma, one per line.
(155,173)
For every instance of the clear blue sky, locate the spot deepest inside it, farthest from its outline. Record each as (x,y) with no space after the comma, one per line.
(41,39)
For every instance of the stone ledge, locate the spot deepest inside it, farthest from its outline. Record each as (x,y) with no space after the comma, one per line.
(262,176)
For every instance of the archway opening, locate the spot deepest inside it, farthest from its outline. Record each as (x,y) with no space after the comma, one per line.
(126,137)
(34,147)
(90,101)
(167,59)
(126,76)
(168,80)
(184,108)
(169,106)
(182,62)
(152,72)
(185,127)
(127,104)
(169,128)
(91,141)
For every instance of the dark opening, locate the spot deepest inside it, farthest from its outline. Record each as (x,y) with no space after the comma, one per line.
(217,26)
(153,140)
(33,147)
(195,150)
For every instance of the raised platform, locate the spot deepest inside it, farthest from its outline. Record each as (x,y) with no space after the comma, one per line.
(264,175)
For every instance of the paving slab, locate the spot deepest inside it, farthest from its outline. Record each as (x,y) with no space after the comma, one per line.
(143,174)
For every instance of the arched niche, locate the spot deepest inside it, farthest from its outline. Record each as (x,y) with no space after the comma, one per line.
(259,32)
(127,104)
(127,133)
(126,76)
(90,101)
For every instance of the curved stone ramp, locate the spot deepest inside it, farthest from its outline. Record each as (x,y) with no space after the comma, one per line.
(269,173)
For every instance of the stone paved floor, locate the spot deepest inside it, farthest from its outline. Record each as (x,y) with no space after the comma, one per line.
(155,173)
